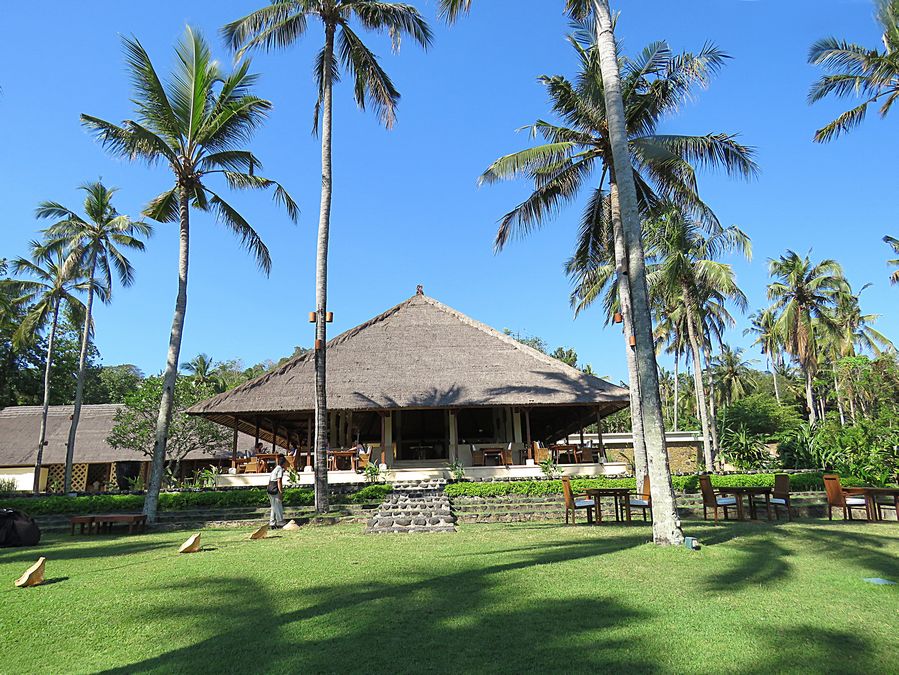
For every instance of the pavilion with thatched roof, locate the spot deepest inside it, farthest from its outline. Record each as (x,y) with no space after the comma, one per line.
(424,385)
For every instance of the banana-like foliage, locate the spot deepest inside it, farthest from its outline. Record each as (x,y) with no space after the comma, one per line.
(852,70)
(284,22)
(196,122)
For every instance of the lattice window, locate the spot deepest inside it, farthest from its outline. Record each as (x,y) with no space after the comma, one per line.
(56,475)
(113,481)
(79,477)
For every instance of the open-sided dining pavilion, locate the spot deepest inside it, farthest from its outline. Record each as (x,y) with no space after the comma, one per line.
(424,385)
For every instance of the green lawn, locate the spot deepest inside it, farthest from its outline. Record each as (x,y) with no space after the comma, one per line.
(757,598)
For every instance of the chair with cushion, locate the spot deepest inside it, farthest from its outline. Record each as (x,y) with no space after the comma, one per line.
(572,503)
(541,454)
(507,455)
(837,497)
(780,497)
(641,500)
(713,500)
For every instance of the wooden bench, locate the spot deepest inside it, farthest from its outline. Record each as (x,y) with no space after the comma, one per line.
(133,520)
(82,520)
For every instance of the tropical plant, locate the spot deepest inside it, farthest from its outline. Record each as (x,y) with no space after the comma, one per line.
(853,70)
(457,470)
(804,296)
(94,244)
(203,370)
(281,24)
(50,290)
(762,325)
(687,273)
(732,375)
(893,243)
(549,468)
(743,449)
(196,123)
(372,472)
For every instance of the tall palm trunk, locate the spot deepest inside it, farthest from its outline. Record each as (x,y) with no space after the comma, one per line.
(836,392)
(82,362)
(713,423)
(169,378)
(42,436)
(624,295)
(676,389)
(773,367)
(321,290)
(666,523)
(697,380)
(810,396)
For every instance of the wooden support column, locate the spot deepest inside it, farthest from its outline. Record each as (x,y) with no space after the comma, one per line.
(349,426)
(602,447)
(516,426)
(527,431)
(387,442)
(234,441)
(453,450)
(274,436)
(332,429)
(255,443)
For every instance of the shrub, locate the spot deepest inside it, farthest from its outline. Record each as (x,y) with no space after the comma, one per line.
(761,415)
(370,493)
(7,485)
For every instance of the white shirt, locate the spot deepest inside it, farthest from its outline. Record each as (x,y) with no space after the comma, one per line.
(276,474)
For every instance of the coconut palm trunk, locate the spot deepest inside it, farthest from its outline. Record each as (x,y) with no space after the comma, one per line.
(624,295)
(698,385)
(82,363)
(42,436)
(666,524)
(773,367)
(713,424)
(810,397)
(836,392)
(166,402)
(676,389)
(321,289)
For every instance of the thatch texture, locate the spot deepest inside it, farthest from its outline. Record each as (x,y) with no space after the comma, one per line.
(19,427)
(419,354)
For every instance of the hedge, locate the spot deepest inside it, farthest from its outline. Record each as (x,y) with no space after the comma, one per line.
(799,482)
(180,501)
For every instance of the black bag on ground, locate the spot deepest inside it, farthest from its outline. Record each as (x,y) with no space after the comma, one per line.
(18,529)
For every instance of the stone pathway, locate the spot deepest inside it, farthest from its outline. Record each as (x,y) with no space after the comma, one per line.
(414,506)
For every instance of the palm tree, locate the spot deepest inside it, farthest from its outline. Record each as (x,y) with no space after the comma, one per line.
(50,290)
(732,374)
(762,325)
(202,368)
(804,296)
(853,70)
(92,243)
(893,243)
(196,123)
(281,24)
(688,273)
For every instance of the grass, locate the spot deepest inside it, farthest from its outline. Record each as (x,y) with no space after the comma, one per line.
(758,598)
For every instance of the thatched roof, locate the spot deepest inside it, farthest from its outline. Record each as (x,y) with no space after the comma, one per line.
(419,354)
(20,425)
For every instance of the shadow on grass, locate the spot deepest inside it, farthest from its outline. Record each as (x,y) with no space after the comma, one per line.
(60,549)
(461,621)
(816,650)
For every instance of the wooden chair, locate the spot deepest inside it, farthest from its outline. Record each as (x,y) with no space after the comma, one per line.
(641,500)
(507,456)
(364,460)
(713,500)
(572,503)
(836,497)
(541,454)
(780,497)
(477,457)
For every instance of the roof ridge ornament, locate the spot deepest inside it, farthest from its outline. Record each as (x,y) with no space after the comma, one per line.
(419,290)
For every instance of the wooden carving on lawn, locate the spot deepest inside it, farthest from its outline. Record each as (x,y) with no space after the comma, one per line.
(34,575)
(192,545)
(260,533)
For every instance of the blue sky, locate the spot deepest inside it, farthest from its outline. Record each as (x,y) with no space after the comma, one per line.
(407,209)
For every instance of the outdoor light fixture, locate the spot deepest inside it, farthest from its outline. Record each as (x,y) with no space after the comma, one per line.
(329,317)
(632,341)
(617,318)
(311,317)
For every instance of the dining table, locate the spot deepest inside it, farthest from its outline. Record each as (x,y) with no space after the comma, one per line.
(871,494)
(751,492)
(342,454)
(494,452)
(619,495)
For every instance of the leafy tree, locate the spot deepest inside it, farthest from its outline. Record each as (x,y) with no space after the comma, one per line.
(853,70)
(93,245)
(761,415)
(732,374)
(135,423)
(119,381)
(804,296)
(533,341)
(282,23)
(762,325)
(49,291)
(566,355)
(202,369)
(196,123)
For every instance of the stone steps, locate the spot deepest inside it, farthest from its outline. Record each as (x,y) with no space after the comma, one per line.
(414,506)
